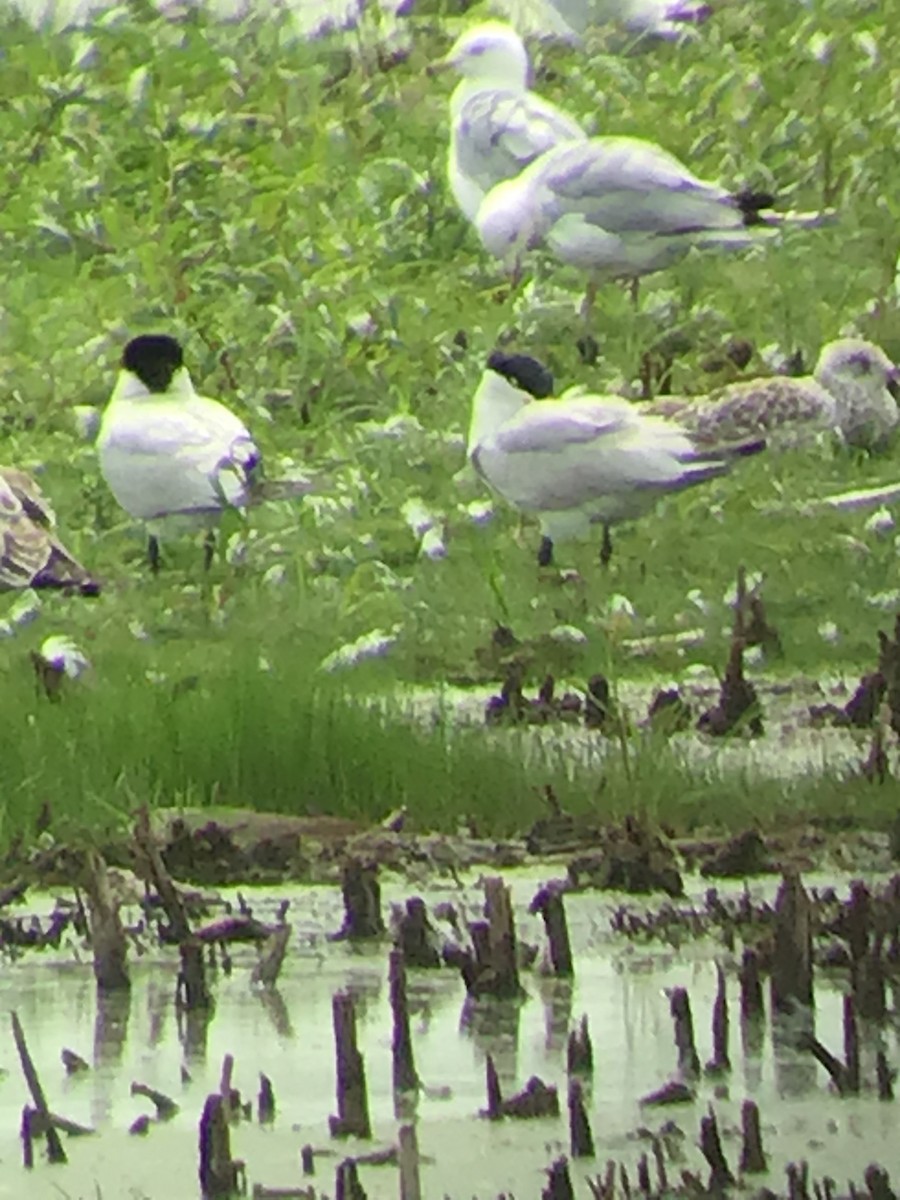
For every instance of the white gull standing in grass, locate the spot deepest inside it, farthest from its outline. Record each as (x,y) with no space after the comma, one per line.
(173,458)
(853,391)
(582,459)
(497,125)
(621,207)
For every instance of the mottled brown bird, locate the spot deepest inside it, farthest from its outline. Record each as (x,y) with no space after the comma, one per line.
(31,555)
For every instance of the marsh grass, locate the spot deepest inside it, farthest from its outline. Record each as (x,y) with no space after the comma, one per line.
(281,205)
(276,739)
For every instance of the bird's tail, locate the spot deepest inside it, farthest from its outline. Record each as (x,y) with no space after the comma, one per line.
(754,206)
(264,490)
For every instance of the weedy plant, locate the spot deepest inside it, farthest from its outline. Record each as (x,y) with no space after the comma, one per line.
(279,204)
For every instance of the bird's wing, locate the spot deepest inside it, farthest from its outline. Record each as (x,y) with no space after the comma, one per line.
(755,408)
(627,185)
(498,133)
(24,545)
(29,495)
(162,456)
(586,450)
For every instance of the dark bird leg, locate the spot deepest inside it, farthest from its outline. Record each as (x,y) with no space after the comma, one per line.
(153,553)
(605,547)
(545,552)
(209,549)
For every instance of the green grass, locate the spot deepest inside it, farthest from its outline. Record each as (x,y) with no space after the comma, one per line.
(278,741)
(257,196)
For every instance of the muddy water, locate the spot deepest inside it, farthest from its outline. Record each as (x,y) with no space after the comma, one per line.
(287,1034)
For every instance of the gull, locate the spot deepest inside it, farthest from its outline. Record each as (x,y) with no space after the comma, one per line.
(497,126)
(661,20)
(581,459)
(31,556)
(175,459)
(853,391)
(621,207)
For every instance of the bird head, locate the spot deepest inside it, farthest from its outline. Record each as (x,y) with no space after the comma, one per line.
(154,358)
(492,50)
(865,384)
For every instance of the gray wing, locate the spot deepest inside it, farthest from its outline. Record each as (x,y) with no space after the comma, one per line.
(499,133)
(629,185)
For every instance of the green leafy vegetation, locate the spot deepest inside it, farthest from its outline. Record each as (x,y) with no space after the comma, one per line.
(280,205)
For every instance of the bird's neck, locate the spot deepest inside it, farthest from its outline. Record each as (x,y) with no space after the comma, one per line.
(130,389)
(469,87)
(495,402)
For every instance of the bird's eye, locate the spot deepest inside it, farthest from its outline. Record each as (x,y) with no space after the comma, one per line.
(861,364)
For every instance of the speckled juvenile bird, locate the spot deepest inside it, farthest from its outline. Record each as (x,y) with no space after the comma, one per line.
(582,459)
(853,391)
(31,555)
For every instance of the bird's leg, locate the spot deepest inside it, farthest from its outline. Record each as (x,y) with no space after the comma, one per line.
(209,549)
(153,553)
(587,304)
(545,552)
(606,547)
(635,291)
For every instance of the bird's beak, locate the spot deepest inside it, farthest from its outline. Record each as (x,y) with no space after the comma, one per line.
(440,66)
(893,383)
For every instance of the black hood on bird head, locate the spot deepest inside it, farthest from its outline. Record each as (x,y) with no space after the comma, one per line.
(154,358)
(524,372)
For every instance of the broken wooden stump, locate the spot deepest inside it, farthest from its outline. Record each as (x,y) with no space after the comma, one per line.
(559,1185)
(271,958)
(352,1118)
(536,1099)
(55,1151)
(404,1075)
(673,1092)
(720,1062)
(346,1181)
(720,1175)
(191,991)
(792,960)
(836,1069)
(752,1004)
(491,967)
(416,937)
(220,1175)
(108,943)
(851,1048)
(361,893)
(166,1108)
(408,1161)
(680,1007)
(73,1063)
(581,1140)
(580,1050)
(265,1101)
(549,903)
(753,1159)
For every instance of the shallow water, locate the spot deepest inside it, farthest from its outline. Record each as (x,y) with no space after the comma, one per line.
(288,1035)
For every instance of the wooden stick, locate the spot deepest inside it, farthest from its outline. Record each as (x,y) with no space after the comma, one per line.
(405,1077)
(55,1151)
(408,1158)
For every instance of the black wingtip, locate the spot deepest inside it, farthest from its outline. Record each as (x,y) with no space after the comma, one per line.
(752,205)
(523,371)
